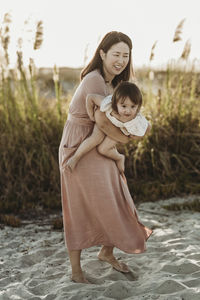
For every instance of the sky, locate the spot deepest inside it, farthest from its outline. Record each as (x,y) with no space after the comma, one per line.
(73,29)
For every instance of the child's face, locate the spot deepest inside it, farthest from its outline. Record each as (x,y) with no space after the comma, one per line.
(127,109)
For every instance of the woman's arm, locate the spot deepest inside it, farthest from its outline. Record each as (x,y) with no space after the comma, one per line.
(93,100)
(109,129)
(114,132)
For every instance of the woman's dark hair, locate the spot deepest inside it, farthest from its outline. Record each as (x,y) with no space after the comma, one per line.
(126,89)
(107,42)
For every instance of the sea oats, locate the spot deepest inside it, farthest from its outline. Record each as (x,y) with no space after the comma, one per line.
(152,51)
(4,35)
(20,43)
(186,51)
(38,36)
(7,18)
(55,74)
(32,67)
(178,31)
(19,60)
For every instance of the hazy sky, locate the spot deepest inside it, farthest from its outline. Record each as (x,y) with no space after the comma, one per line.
(72,25)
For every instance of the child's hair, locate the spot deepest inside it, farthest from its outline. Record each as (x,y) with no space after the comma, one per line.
(126,89)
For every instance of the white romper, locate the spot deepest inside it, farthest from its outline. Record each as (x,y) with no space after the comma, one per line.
(136,126)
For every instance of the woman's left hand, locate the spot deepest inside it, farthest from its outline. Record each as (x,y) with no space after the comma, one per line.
(135,137)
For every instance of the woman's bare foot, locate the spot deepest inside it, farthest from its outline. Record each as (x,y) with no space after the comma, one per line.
(79,278)
(120,163)
(119,266)
(71,163)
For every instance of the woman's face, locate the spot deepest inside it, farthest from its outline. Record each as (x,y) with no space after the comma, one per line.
(115,60)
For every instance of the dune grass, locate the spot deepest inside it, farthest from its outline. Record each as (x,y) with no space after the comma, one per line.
(167,162)
(30,134)
(164,164)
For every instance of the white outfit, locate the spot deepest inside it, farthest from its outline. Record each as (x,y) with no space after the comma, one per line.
(136,126)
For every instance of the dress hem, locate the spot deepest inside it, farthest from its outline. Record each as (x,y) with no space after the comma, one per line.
(138,251)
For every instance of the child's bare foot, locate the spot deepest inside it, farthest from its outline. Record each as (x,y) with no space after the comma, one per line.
(79,278)
(120,163)
(119,266)
(71,163)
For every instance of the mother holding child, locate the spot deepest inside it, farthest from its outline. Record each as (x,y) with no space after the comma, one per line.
(96,204)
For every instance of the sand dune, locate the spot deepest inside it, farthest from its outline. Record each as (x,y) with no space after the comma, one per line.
(34,263)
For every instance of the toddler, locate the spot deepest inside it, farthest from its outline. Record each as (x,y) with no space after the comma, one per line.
(123,110)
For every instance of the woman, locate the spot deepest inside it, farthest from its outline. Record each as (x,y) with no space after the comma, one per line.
(96,203)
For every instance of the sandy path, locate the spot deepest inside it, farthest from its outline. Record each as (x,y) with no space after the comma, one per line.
(34,263)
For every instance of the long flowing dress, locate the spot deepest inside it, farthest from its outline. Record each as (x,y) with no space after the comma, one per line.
(96,204)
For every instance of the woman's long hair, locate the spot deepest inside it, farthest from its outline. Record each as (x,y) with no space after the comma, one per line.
(107,42)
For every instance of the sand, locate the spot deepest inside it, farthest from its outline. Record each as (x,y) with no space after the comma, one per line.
(34,263)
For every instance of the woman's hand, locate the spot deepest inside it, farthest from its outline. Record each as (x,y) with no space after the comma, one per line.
(135,137)
(91,115)
(109,129)
(148,129)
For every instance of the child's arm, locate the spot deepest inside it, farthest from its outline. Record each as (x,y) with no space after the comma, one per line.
(92,101)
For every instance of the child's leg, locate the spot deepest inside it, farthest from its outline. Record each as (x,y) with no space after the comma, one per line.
(108,148)
(88,144)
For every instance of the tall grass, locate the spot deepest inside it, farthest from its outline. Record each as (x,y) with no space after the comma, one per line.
(29,135)
(165,163)
(30,132)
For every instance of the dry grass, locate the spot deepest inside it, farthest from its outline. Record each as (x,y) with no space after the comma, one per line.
(10,220)
(192,205)
(164,164)
(178,31)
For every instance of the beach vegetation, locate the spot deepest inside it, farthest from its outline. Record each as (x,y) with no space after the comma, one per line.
(164,164)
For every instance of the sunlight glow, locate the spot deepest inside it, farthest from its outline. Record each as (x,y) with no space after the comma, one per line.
(72,27)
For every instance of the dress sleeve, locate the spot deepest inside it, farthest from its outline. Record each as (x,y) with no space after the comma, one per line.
(93,83)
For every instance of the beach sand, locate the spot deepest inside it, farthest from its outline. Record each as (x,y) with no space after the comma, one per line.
(34,263)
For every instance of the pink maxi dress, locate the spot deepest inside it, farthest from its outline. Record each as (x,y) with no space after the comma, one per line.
(96,204)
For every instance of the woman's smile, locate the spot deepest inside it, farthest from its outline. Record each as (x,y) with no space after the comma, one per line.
(119,67)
